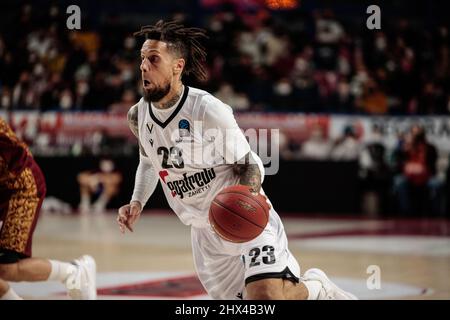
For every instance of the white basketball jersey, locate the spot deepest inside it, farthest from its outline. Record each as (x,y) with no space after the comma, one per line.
(192,147)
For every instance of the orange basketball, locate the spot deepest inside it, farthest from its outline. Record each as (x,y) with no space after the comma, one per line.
(237,215)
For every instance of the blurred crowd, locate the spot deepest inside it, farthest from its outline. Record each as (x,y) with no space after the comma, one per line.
(410,177)
(257,60)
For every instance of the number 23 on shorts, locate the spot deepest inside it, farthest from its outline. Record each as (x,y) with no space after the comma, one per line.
(265,255)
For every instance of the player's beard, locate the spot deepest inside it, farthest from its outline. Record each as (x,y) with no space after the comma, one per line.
(156,94)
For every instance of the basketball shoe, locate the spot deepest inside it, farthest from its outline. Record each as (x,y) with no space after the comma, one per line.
(81,284)
(329,291)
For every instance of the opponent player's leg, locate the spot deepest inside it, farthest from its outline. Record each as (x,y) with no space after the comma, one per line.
(78,276)
(13,267)
(19,217)
(110,189)
(8,293)
(29,269)
(84,181)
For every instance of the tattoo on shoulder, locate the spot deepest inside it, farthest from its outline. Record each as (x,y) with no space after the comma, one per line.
(132,118)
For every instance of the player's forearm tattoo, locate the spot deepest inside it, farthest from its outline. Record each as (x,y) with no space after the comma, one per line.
(249,173)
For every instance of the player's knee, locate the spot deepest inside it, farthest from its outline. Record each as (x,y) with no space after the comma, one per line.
(9,271)
(266,289)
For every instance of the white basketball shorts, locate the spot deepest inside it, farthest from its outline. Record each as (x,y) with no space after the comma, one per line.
(224,268)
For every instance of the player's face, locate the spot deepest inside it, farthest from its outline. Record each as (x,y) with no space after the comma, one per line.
(156,70)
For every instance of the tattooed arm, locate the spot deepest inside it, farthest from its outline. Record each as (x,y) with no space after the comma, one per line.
(249,173)
(145,182)
(132,118)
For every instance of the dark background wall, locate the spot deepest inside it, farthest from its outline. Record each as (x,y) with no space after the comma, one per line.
(299,186)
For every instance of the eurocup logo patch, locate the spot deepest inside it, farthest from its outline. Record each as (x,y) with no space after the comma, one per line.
(184,128)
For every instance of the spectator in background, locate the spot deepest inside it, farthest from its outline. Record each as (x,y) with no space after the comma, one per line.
(24,95)
(373,99)
(102,184)
(66,100)
(347,147)
(431,100)
(318,146)
(122,107)
(375,175)
(5,99)
(329,33)
(260,89)
(81,90)
(328,29)
(237,101)
(50,95)
(325,64)
(283,95)
(416,183)
(306,90)
(342,100)
(447,190)
(288,147)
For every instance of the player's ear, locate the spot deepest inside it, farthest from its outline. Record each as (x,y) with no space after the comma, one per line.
(178,66)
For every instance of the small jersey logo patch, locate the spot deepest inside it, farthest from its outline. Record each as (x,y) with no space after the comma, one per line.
(184,128)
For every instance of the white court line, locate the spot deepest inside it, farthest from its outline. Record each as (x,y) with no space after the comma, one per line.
(404,245)
(53,290)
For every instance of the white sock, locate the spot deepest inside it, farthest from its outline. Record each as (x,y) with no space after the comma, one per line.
(10,295)
(85,203)
(314,287)
(60,270)
(100,204)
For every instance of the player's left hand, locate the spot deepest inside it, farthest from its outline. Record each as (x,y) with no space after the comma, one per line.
(128,215)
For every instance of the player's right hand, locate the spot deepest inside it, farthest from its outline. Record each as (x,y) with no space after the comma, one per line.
(128,215)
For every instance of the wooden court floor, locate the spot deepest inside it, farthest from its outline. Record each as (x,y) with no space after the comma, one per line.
(412,257)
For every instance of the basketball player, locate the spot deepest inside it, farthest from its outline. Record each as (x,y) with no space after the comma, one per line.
(22,190)
(174,125)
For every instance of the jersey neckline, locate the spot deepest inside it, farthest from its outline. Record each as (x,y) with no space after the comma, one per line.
(174,113)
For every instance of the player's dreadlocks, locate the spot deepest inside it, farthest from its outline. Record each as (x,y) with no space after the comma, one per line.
(183,41)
